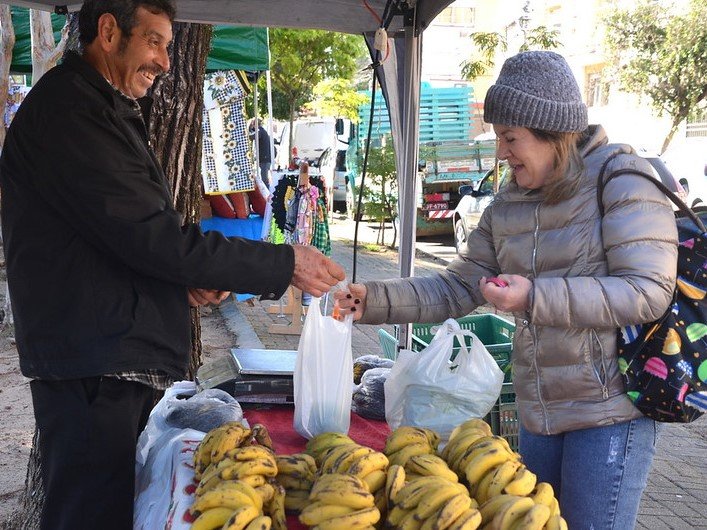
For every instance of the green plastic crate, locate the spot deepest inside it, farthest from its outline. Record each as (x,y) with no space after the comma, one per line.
(503,417)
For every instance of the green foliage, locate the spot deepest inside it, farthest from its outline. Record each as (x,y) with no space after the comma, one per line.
(380,194)
(488,44)
(662,55)
(338,98)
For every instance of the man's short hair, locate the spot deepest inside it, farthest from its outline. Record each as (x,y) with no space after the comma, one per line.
(122,10)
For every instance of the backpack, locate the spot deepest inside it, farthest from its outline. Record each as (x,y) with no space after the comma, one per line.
(664,363)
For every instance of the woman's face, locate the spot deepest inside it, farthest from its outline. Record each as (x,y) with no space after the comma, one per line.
(531,159)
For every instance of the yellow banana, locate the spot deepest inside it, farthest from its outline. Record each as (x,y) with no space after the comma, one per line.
(354,499)
(241,486)
(333,454)
(476,449)
(262,522)
(451,510)
(555,522)
(401,457)
(555,507)
(510,512)
(480,491)
(461,441)
(213,518)
(290,482)
(253,480)
(367,463)
(241,518)
(221,498)
(470,519)
(202,455)
(316,512)
(251,452)
(409,522)
(523,482)
(404,436)
(249,467)
(464,449)
(433,437)
(321,442)
(434,500)
(430,465)
(265,492)
(380,501)
(215,469)
(344,462)
(357,519)
(375,480)
(543,494)
(503,475)
(413,492)
(338,480)
(491,506)
(395,515)
(232,437)
(471,423)
(276,509)
(206,485)
(535,518)
(295,466)
(294,502)
(394,482)
(479,466)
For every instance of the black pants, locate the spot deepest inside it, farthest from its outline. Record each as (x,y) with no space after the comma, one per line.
(88,429)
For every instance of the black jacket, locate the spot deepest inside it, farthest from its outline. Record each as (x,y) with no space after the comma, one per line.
(98,261)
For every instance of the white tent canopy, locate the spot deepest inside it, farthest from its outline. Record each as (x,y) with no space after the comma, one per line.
(399,75)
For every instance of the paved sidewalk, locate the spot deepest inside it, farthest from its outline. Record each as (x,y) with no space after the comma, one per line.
(676,495)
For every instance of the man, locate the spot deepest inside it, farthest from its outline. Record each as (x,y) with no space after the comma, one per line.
(264,154)
(101,270)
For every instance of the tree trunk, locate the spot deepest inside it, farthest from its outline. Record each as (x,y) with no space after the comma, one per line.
(178,104)
(677,120)
(175,131)
(45,52)
(7,42)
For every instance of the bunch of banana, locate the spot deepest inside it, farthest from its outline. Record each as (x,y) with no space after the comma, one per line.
(407,441)
(296,473)
(429,502)
(232,505)
(217,442)
(340,502)
(428,465)
(514,512)
(463,435)
(251,464)
(320,443)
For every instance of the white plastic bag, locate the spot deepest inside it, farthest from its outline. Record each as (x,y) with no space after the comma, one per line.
(323,377)
(426,389)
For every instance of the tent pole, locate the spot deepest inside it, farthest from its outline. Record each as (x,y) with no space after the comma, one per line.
(410,150)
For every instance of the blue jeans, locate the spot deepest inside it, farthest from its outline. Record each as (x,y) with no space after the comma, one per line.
(598,474)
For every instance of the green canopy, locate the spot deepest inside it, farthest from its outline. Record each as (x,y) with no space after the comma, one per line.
(233,48)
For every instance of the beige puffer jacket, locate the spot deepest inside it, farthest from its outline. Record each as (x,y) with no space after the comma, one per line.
(590,275)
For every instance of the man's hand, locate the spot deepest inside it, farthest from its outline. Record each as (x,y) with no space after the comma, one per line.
(314,272)
(512,297)
(199,297)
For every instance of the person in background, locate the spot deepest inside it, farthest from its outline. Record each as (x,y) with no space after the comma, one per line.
(101,269)
(264,154)
(570,277)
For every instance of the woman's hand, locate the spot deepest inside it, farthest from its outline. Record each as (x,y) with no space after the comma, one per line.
(510,298)
(351,300)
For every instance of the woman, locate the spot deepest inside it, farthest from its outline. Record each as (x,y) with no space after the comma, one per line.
(573,277)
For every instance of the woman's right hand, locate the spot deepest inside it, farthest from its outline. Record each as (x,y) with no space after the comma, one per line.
(351,300)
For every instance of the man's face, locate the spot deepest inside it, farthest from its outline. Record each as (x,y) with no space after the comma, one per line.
(142,56)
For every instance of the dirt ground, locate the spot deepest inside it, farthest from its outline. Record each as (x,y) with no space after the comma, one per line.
(16,405)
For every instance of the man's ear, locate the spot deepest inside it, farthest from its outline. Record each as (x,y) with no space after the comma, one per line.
(109,33)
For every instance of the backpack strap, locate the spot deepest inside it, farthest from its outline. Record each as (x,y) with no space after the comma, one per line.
(684,208)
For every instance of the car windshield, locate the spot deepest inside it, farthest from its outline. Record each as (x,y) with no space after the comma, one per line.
(487,185)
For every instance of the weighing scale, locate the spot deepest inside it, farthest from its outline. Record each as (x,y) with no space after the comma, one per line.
(252,375)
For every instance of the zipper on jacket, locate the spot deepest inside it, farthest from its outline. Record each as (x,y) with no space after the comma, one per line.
(601,378)
(535,335)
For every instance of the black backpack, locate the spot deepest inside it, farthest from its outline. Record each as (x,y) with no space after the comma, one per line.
(664,363)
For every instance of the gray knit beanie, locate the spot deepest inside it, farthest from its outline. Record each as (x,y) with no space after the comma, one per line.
(537,90)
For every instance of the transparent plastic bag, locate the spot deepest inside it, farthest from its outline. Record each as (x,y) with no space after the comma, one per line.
(323,374)
(427,389)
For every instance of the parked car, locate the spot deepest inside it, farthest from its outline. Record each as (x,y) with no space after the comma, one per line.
(477,196)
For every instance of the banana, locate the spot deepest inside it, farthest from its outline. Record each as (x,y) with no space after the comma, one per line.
(375,480)
(221,498)
(265,492)
(213,518)
(480,491)
(366,464)
(316,512)
(215,469)
(430,465)
(461,440)
(477,448)
(380,501)
(462,449)
(232,437)
(395,515)
(510,512)
(206,485)
(251,452)
(298,465)
(472,423)
(276,509)
(241,517)
(401,456)
(202,455)
(535,518)
(523,482)
(503,475)
(249,467)
(482,462)
(338,480)
(433,437)
(470,519)
(451,510)
(316,445)
(543,494)
(262,522)
(352,498)
(394,482)
(296,500)
(555,507)
(354,520)
(253,480)
(433,501)
(555,522)
(293,483)
(409,522)
(345,461)
(404,436)
(491,506)
(262,436)
(333,454)
(413,492)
